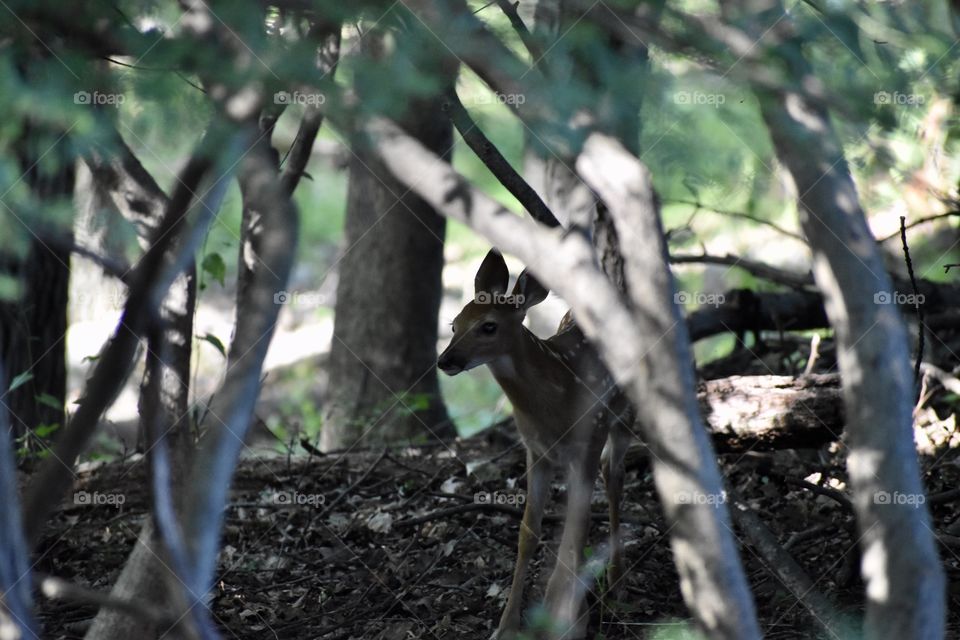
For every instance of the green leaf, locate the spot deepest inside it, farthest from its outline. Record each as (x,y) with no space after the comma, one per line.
(215,341)
(49,400)
(214,265)
(45,430)
(21,380)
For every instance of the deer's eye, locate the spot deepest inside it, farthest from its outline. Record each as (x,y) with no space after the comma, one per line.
(489,328)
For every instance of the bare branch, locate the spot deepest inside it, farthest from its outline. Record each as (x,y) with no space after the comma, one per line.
(698,206)
(759,269)
(491,157)
(299,154)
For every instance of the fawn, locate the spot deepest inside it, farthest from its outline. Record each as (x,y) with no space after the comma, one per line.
(566,407)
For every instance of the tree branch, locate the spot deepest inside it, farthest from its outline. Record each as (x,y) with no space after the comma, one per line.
(491,157)
(299,154)
(738,214)
(759,269)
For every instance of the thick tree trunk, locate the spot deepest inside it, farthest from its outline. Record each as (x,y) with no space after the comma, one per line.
(903,575)
(383,375)
(33,327)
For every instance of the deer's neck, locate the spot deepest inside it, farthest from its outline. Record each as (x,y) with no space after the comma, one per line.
(529,371)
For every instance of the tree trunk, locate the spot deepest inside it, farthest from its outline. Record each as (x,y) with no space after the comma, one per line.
(903,575)
(33,326)
(383,376)
(119,181)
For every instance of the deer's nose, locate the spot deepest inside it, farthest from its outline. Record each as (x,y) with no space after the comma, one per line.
(446,364)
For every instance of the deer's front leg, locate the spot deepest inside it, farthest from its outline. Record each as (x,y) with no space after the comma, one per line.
(566,589)
(539,472)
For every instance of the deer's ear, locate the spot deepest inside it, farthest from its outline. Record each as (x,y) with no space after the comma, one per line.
(493,275)
(530,288)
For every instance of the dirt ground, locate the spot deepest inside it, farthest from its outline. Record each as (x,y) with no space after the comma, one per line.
(395,545)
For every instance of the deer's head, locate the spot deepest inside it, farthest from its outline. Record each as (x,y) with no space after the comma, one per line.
(489,326)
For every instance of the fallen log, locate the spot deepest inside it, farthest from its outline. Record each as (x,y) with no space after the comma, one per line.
(772,412)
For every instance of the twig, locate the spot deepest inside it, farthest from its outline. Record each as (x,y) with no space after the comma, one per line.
(814,354)
(499,508)
(919,307)
(807,534)
(58,589)
(529,41)
(948,381)
(739,214)
(918,222)
(833,494)
(354,485)
(439,514)
(312,450)
(759,269)
(785,568)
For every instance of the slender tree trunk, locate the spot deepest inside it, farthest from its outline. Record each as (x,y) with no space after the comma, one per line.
(383,374)
(118,181)
(903,575)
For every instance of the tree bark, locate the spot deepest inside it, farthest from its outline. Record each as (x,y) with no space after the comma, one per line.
(383,374)
(747,413)
(34,326)
(903,576)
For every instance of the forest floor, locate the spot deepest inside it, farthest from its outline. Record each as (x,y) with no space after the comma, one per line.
(395,545)
(398,545)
